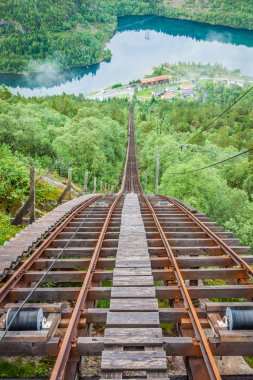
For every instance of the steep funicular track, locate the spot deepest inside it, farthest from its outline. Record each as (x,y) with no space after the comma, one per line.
(127,263)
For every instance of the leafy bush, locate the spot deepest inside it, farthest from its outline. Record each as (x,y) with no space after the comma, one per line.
(20,367)
(7,231)
(65,131)
(223,192)
(13,179)
(54,134)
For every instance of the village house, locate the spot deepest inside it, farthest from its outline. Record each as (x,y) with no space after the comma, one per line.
(158,92)
(188,93)
(239,83)
(172,89)
(187,90)
(168,95)
(188,86)
(149,82)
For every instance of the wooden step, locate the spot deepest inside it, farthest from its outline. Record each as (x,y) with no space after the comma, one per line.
(132,272)
(133,281)
(132,319)
(133,263)
(133,360)
(133,292)
(134,304)
(133,336)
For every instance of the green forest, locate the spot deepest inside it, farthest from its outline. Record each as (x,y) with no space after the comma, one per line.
(224,192)
(53,134)
(74,33)
(195,118)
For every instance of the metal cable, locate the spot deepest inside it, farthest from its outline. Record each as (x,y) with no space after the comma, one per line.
(216,163)
(44,275)
(220,115)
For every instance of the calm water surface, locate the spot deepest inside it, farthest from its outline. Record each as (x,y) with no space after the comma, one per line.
(140,43)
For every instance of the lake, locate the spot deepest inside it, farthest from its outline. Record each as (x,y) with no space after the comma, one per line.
(139,44)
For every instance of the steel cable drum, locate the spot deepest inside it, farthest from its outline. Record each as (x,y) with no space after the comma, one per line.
(26,320)
(239,318)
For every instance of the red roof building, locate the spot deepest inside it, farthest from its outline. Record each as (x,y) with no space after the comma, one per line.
(154,80)
(168,95)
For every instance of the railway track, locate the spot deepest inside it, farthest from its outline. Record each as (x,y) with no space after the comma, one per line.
(129,263)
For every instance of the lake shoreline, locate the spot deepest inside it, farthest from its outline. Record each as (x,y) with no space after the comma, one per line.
(138,44)
(69,68)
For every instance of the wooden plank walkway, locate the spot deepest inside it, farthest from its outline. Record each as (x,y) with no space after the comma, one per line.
(133,337)
(14,250)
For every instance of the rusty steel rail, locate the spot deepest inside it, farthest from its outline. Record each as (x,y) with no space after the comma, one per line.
(13,280)
(70,336)
(225,248)
(131,180)
(132,173)
(199,333)
(124,185)
(67,347)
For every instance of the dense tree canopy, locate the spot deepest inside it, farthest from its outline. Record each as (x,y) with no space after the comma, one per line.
(224,192)
(73,33)
(57,133)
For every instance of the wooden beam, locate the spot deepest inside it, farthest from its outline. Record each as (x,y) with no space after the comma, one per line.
(95,185)
(44,294)
(32,194)
(195,262)
(220,307)
(223,291)
(22,212)
(69,183)
(51,347)
(66,276)
(166,315)
(25,336)
(72,263)
(47,307)
(196,274)
(187,324)
(85,186)
(200,243)
(156,262)
(93,346)
(173,292)
(61,197)
(55,276)
(230,348)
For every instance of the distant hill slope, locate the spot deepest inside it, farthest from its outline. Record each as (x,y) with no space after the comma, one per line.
(74,32)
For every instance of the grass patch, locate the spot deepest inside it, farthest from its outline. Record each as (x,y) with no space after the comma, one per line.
(7,231)
(249,360)
(215,282)
(104,304)
(168,328)
(20,367)
(163,304)
(221,282)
